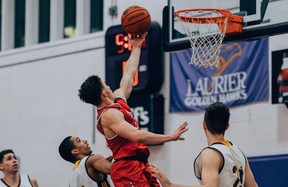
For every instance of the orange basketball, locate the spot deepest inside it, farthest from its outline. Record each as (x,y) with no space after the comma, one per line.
(135,20)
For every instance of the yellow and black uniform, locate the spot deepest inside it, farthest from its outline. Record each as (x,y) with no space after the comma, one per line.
(82,178)
(232,172)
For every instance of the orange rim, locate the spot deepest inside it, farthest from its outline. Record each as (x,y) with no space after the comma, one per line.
(234,23)
(203,20)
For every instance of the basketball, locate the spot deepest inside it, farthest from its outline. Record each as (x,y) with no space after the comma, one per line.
(135,20)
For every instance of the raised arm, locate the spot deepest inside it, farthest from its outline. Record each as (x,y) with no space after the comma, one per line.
(131,67)
(119,126)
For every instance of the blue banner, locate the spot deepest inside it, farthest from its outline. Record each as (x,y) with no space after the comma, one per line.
(241,77)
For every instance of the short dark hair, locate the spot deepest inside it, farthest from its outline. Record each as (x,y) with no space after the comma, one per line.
(217,118)
(65,149)
(4,152)
(90,90)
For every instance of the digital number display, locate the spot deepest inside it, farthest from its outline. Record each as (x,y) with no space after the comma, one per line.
(121,40)
(119,43)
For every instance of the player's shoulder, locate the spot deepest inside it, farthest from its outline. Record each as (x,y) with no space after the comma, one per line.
(33,181)
(211,157)
(110,112)
(210,153)
(95,157)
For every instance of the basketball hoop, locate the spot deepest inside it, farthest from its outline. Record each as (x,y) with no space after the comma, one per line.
(206,28)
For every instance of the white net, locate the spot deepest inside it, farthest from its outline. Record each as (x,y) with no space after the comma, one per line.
(205,30)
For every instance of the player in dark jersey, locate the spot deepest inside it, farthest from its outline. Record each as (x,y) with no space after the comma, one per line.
(117,123)
(89,169)
(10,167)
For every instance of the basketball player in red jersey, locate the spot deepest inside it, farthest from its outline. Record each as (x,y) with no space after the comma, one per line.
(117,123)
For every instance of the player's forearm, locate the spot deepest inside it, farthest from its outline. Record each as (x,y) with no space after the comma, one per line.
(132,64)
(152,138)
(130,70)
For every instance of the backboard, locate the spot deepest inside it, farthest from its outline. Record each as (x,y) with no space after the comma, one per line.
(260,18)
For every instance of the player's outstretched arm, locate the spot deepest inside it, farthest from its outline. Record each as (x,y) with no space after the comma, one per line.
(131,67)
(121,127)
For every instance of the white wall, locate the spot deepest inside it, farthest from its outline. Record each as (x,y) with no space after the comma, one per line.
(39,106)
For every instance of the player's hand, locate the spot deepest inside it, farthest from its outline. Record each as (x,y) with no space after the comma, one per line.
(176,135)
(136,41)
(157,173)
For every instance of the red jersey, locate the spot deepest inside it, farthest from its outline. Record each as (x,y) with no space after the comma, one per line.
(131,168)
(119,146)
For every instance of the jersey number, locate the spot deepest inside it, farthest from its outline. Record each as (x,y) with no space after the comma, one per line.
(239,181)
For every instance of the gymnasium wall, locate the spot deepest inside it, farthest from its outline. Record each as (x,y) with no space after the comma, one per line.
(39,107)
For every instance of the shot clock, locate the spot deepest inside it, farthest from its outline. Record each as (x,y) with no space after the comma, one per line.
(118,42)
(149,77)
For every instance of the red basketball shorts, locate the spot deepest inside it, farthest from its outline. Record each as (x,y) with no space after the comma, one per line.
(132,173)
